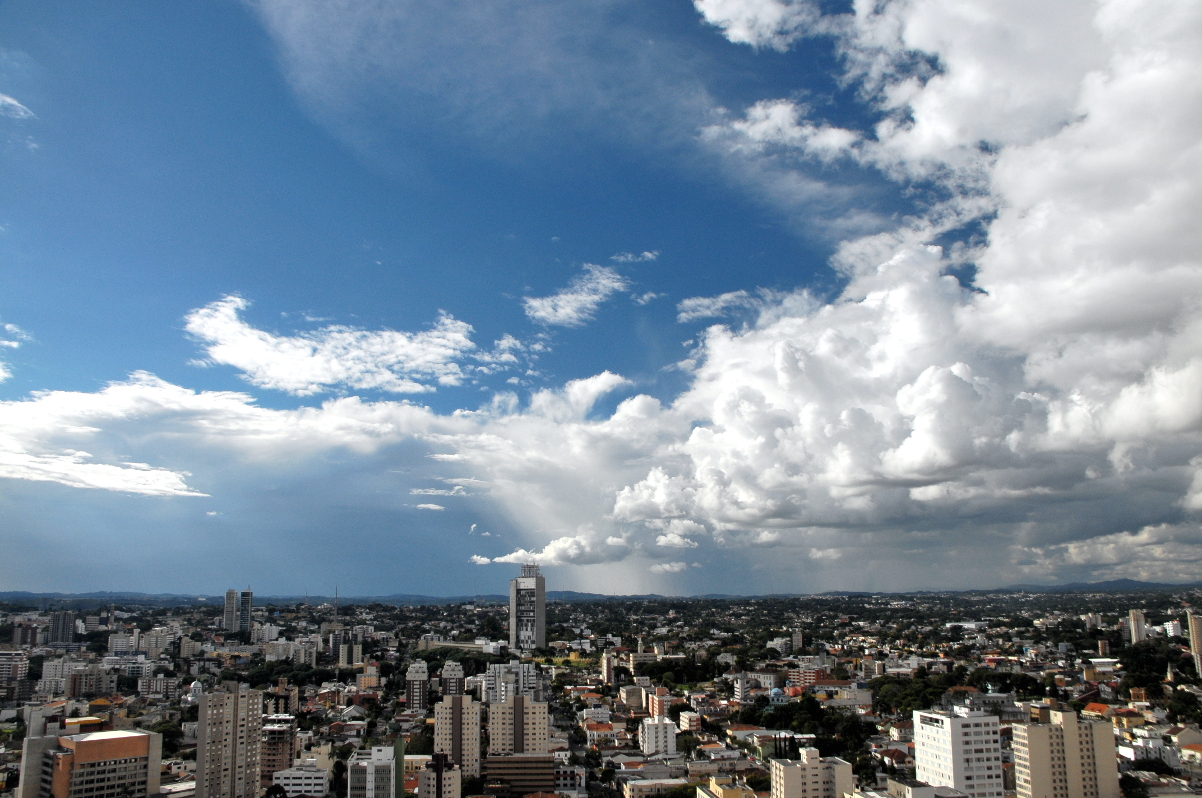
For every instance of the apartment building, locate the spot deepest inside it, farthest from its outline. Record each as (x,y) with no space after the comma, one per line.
(959,749)
(810,776)
(457,732)
(1065,758)
(229,743)
(103,764)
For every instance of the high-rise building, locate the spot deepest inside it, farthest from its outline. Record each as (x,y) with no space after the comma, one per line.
(1065,758)
(503,680)
(350,655)
(228,743)
(279,746)
(1195,638)
(371,773)
(521,773)
(237,611)
(439,779)
(1138,626)
(13,665)
(457,732)
(453,680)
(62,627)
(657,735)
(810,776)
(528,609)
(608,663)
(518,726)
(112,764)
(960,750)
(417,686)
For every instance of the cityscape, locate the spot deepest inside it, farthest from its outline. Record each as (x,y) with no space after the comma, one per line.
(1070,694)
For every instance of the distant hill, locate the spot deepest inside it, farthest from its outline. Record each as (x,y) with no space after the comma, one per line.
(102,597)
(1111,586)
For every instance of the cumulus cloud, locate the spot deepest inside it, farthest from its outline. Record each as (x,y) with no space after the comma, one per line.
(478,560)
(430,507)
(335,356)
(668,567)
(575,305)
(763,23)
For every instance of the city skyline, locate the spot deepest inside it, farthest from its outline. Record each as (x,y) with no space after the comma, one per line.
(738,296)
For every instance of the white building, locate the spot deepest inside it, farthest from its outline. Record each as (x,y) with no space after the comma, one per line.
(1137,626)
(960,750)
(516,678)
(528,609)
(303,780)
(810,776)
(371,773)
(657,735)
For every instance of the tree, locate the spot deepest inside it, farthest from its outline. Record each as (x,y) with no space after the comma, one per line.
(1132,787)
(275,791)
(338,779)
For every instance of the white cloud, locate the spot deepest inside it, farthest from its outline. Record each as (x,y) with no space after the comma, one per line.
(333,356)
(763,23)
(478,560)
(668,567)
(630,257)
(458,490)
(708,307)
(13,109)
(575,305)
(430,507)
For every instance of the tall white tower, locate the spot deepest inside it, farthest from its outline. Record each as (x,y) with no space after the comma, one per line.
(528,609)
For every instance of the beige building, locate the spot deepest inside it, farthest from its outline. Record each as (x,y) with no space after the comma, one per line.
(1195,635)
(457,732)
(811,776)
(229,743)
(518,726)
(1065,758)
(434,784)
(644,788)
(106,764)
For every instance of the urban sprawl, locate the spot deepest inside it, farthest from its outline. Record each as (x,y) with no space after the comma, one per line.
(932,695)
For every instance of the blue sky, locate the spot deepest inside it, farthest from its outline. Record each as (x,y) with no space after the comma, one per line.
(663,296)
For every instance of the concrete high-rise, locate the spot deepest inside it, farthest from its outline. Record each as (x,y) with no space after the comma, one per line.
(228,743)
(960,750)
(518,726)
(528,609)
(810,776)
(372,773)
(417,686)
(1138,626)
(452,679)
(657,735)
(457,732)
(1065,758)
(1195,639)
(236,617)
(279,746)
(62,627)
(113,764)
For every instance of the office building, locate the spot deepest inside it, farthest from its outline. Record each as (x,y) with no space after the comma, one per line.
(1065,758)
(303,780)
(810,776)
(657,735)
(228,743)
(278,748)
(372,773)
(237,611)
(452,679)
(112,764)
(960,750)
(417,686)
(502,681)
(457,732)
(1195,636)
(1137,626)
(62,628)
(528,610)
(522,774)
(439,779)
(518,726)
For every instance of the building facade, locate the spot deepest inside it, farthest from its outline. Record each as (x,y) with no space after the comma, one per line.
(228,744)
(528,610)
(518,726)
(236,617)
(457,732)
(371,773)
(810,776)
(1065,758)
(105,764)
(960,750)
(657,735)
(279,746)
(1137,626)
(417,686)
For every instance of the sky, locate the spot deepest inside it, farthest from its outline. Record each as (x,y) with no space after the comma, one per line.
(730,296)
